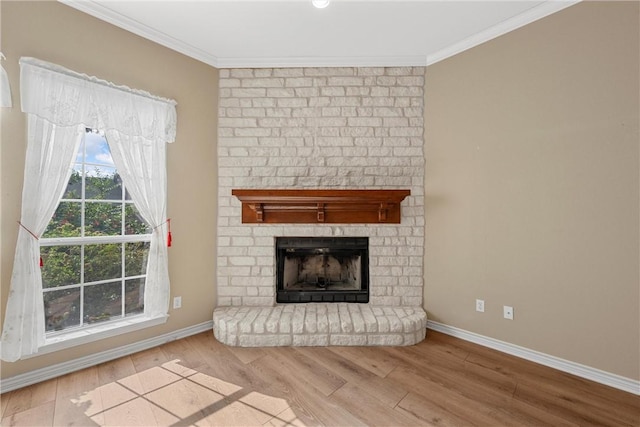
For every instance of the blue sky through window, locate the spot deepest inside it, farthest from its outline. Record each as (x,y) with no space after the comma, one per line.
(97,155)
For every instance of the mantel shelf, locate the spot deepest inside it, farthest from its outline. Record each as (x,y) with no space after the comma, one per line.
(321,206)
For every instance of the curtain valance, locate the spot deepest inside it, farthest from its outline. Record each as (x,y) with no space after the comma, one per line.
(67,98)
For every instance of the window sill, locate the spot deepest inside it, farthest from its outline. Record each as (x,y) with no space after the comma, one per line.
(97,332)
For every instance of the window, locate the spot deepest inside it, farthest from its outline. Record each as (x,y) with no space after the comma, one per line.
(103,264)
(95,248)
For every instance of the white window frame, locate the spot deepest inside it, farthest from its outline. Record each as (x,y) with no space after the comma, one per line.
(57,102)
(88,332)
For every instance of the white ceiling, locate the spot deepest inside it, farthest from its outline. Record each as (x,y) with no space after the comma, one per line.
(293,33)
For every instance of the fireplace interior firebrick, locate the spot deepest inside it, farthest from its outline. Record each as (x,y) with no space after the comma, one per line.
(322,269)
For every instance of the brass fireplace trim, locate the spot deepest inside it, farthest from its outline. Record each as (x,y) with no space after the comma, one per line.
(265,206)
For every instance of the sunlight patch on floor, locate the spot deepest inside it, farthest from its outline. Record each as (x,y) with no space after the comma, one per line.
(173,394)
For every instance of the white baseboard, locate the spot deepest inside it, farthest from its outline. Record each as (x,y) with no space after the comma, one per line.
(593,374)
(43,374)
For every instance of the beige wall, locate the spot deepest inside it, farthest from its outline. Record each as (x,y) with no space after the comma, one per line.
(57,33)
(531,180)
(532,187)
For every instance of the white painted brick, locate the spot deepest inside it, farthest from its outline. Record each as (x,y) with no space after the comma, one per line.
(348,339)
(395,122)
(247,321)
(259,322)
(357,131)
(401,102)
(297,320)
(334,320)
(280,93)
(306,112)
(248,93)
(299,82)
(386,339)
(288,72)
(263,82)
(379,101)
(252,132)
(256,301)
(385,301)
(322,319)
(265,340)
(253,112)
(346,325)
(235,271)
(370,71)
(232,291)
(330,71)
(358,322)
(415,301)
(411,81)
(292,102)
(285,323)
(237,122)
(319,101)
(345,81)
(357,91)
(307,92)
(333,91)
(241,72)
(405,91)
(395,325)
(278,112)
(416,122)
(319,340)
(267,291)
(383,167)
(223,301)
(345,101)
(263,102)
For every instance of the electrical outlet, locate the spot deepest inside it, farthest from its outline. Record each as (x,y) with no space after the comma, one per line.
(480,305)
(177,302)
(508,312)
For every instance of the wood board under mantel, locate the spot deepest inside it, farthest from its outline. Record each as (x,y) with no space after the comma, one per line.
(320,206)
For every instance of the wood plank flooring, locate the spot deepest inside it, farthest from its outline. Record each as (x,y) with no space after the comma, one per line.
(198,381)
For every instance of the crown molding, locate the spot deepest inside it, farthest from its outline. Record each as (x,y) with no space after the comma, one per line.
(538,12)
(105,14)
(296,62)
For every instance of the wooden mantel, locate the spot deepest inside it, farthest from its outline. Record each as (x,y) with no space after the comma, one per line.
(321,206)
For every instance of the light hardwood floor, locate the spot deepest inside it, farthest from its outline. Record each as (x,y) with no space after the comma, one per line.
(199,381)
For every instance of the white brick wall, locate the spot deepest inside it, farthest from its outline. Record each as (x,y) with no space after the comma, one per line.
(351,128)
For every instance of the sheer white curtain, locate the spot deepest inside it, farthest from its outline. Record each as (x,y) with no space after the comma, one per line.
(5,89)
(141,165)
(50,153)
(60,103)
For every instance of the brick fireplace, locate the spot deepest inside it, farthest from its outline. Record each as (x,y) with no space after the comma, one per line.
(320,128)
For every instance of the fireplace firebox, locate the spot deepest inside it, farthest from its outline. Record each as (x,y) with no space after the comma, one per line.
(322,269)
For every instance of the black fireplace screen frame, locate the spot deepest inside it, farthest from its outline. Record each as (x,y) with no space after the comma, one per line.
(301,246)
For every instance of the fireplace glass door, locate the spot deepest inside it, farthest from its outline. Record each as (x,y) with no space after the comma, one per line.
(322,269)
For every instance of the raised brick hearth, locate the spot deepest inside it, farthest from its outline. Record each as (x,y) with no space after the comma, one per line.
(320,128)
(319,324)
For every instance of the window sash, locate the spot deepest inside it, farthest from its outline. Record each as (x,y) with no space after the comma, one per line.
(94,240)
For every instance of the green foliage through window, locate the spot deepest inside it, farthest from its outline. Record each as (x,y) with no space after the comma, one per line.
(95,247)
